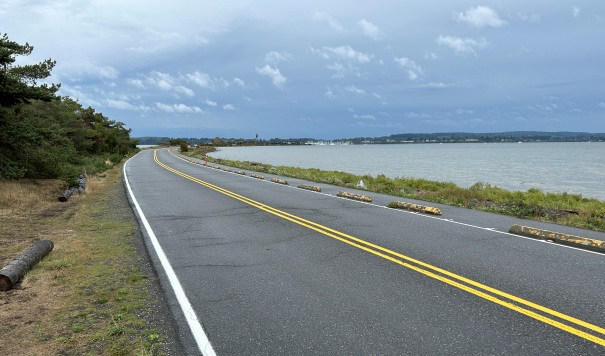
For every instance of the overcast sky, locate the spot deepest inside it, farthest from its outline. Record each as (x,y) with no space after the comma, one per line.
(323,69)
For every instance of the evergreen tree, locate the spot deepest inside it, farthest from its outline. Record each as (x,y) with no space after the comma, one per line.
(18,84)
(48,136)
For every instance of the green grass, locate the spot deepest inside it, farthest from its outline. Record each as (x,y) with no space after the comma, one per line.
(559,208)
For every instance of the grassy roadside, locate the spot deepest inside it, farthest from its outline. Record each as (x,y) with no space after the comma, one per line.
(92,295)
(563,208)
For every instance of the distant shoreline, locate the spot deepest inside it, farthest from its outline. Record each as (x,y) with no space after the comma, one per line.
(405,138)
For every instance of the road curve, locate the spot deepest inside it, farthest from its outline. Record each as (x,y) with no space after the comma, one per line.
(254,267)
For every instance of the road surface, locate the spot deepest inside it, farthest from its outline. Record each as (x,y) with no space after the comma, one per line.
(254,267)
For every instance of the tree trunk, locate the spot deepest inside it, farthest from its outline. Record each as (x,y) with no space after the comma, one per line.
(14,271)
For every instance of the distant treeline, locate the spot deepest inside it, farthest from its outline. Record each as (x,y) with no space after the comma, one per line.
(513,136)
(43,135)
(156,140)
(449,137)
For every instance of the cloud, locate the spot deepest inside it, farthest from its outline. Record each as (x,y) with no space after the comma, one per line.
(120,104)
(137,83)
(323,17)
(330,93)
(276,77)
(107,72)
(343,52)
(415,115)
(435,85)
(341,70)
(354,90)
(274,57)
(77,93)
(479,17)
(575,11)
(79,71)
(370,30)
(364,117)
(414,70)
(160,80)
(462,45)
(210,102)
(380,98)
(602,104)
(201,79)
(178,108)
(340,92)
(165,81)
(229,107)
(239,82)
(184,90)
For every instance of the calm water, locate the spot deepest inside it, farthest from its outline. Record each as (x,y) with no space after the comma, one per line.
(577,168)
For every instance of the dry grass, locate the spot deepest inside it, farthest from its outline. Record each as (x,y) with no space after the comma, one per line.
(89,296)
(23,203)
(27,194)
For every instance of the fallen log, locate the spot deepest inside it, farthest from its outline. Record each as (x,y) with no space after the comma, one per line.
(80,188)
(14,271)
(68,193)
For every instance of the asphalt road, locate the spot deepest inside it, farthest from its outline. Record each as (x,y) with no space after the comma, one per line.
(270,269)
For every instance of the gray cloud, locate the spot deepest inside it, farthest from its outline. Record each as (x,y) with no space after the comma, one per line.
(405,64)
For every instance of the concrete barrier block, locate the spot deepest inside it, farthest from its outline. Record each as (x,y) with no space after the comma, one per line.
(310,187)
(279,181)
(354,196)
(565,239)
(415,207)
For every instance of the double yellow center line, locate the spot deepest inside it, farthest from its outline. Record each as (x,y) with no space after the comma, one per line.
(520,305)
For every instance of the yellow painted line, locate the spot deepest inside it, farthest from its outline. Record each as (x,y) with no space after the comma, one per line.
(428,270)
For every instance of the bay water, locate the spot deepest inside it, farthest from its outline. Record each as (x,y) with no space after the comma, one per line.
(575,168)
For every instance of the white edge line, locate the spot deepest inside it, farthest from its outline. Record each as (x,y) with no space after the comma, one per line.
(199,335)
(424,215)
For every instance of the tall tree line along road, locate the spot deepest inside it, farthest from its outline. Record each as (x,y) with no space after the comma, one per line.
(253,267)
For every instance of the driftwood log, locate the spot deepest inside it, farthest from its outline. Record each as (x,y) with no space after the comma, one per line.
(14,271)
(71,191)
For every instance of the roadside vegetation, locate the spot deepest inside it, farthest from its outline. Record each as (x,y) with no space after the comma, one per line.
(560,208)
(92,294)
